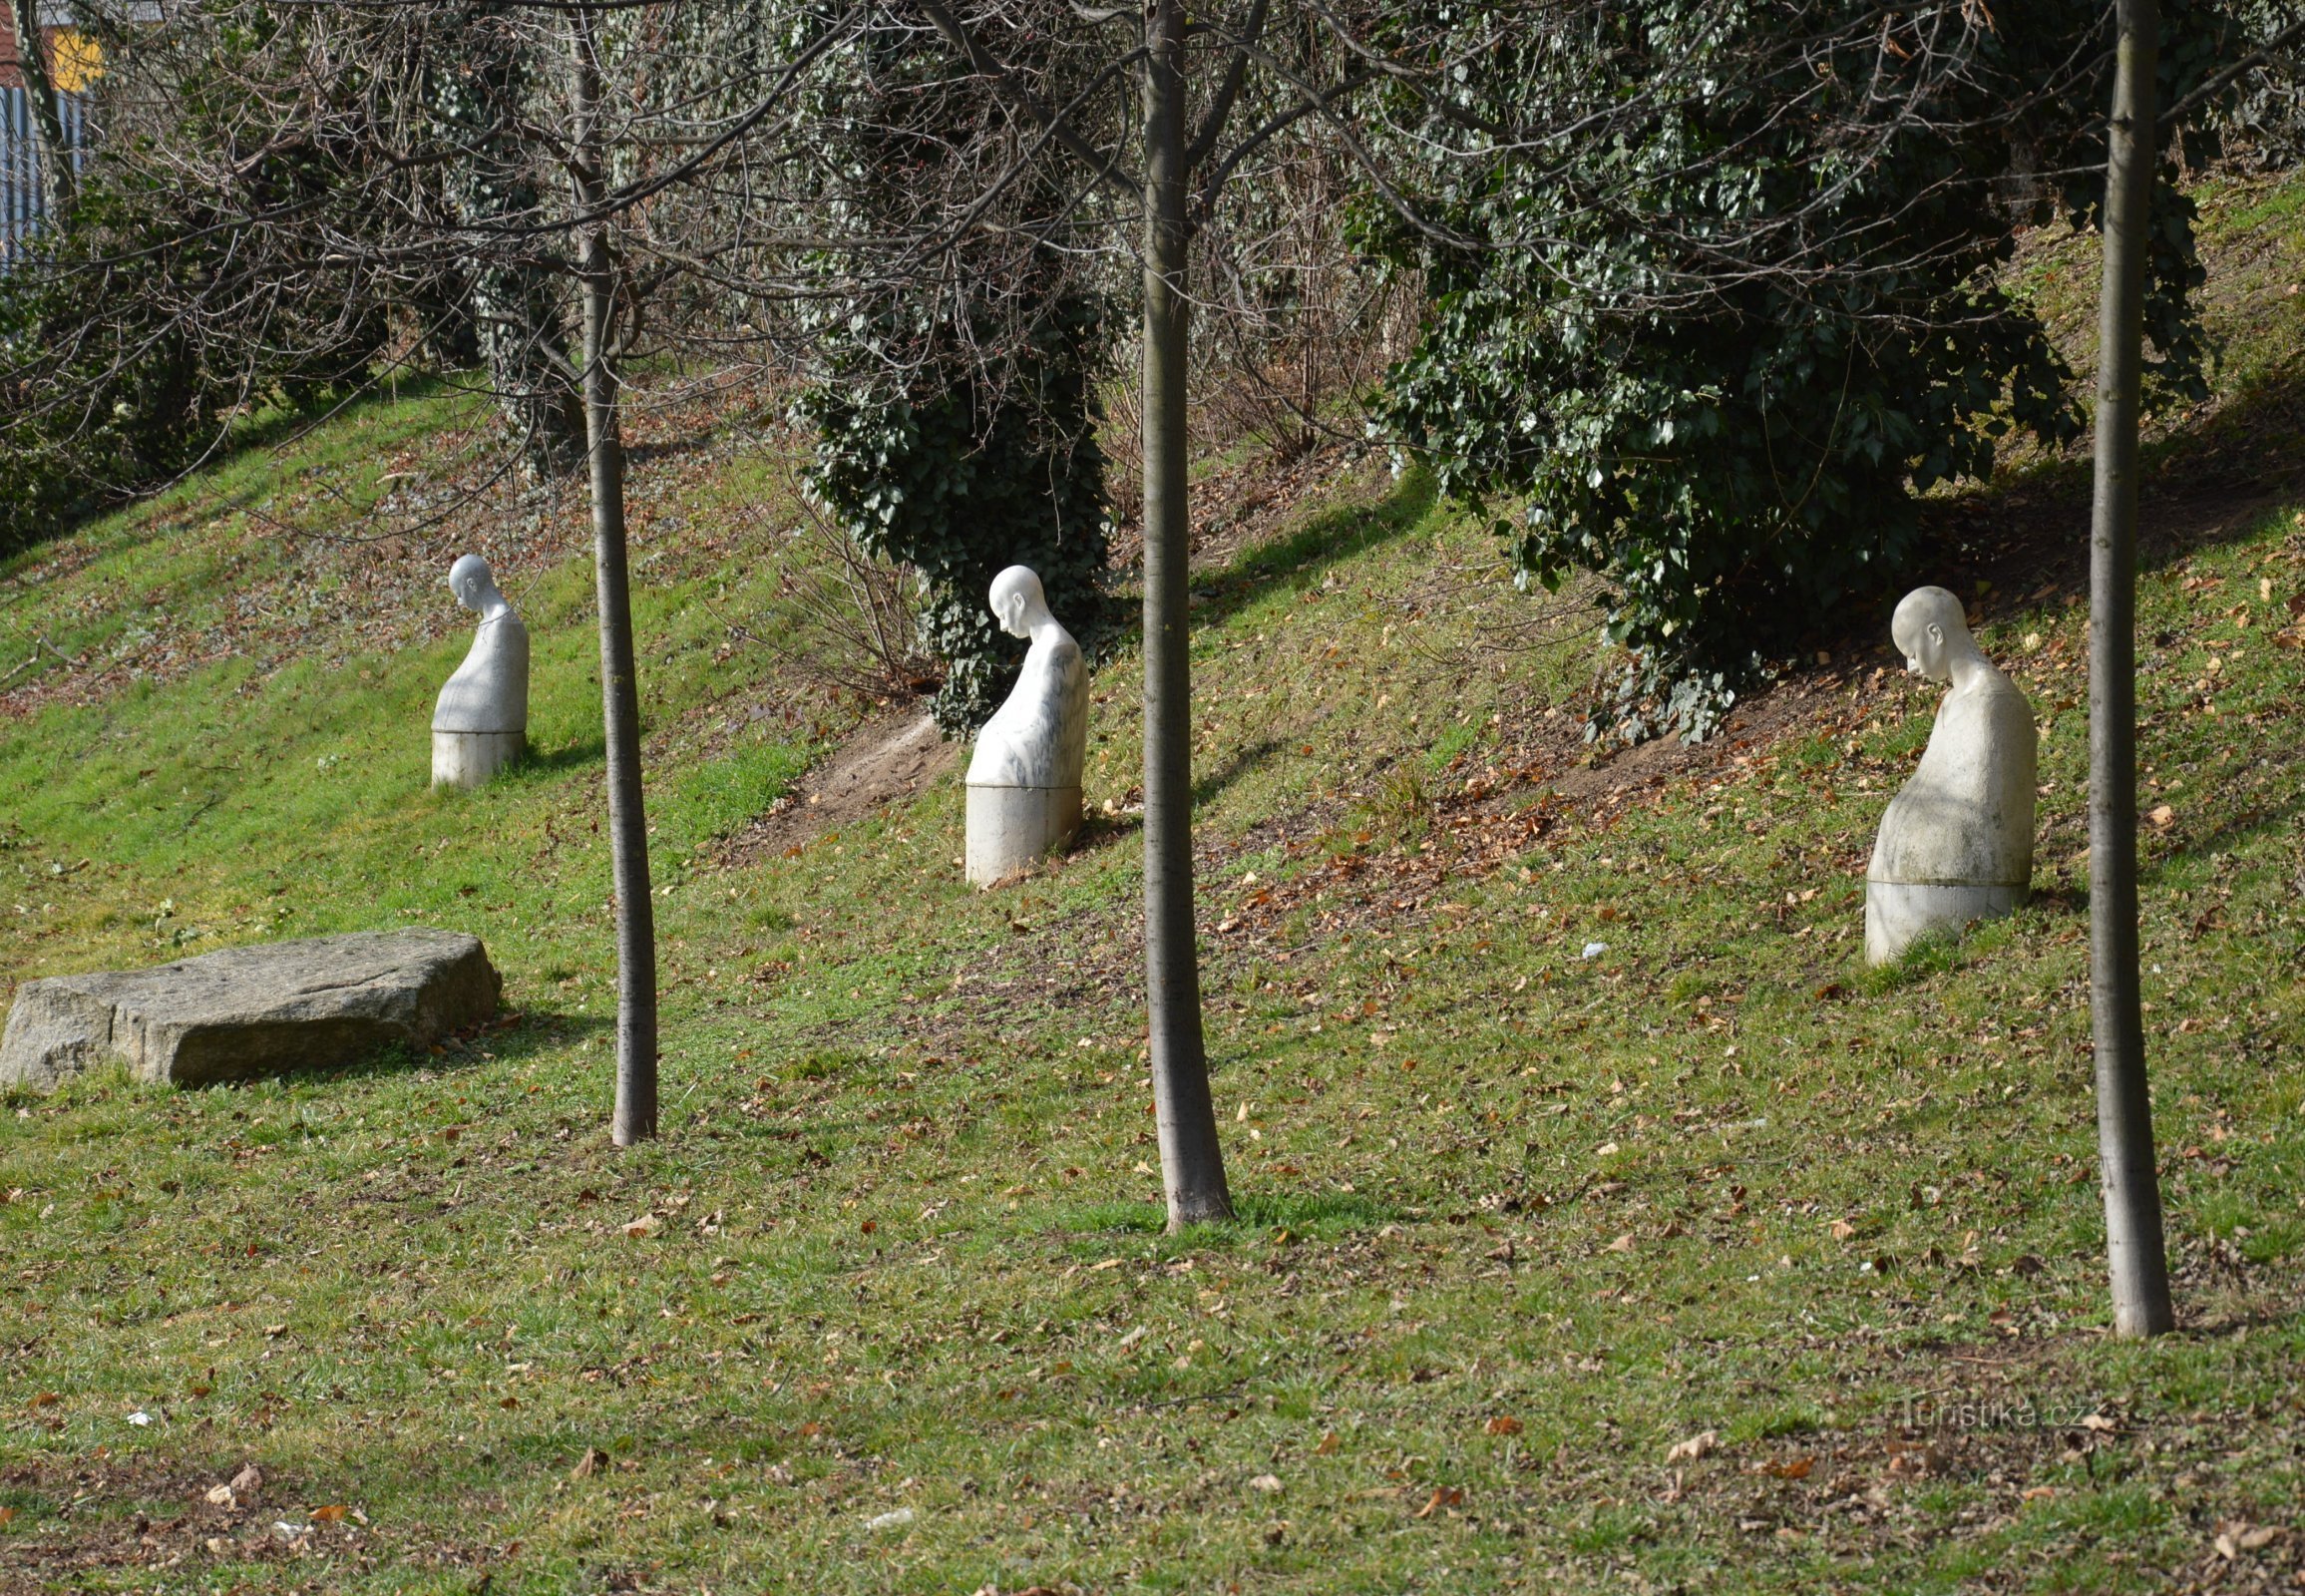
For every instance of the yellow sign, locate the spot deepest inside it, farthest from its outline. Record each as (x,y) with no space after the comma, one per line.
(78,60)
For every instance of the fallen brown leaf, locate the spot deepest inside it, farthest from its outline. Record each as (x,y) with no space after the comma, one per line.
(1446,1497)
(2240,1536)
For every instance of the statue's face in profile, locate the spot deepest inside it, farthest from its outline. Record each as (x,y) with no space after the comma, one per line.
(1924,649)
(1011,613)
(1012,607)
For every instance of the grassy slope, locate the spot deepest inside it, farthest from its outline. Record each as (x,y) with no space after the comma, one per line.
(1517,1220)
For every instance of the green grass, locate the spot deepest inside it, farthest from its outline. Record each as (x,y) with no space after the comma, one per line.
(1514,1221)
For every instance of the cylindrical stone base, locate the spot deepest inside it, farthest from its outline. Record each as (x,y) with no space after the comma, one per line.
(470,758)
(1897,915)
(1012,829)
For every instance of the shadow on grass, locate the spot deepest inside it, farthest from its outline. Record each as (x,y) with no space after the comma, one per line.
(1101,831)
(1247,759)
(511,1039)
(2226,834)
(2206,484)
(569,756)
(1328,539)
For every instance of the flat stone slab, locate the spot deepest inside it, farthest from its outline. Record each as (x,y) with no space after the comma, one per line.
(252,1011)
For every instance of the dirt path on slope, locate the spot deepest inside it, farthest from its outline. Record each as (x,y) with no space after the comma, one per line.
(885,760)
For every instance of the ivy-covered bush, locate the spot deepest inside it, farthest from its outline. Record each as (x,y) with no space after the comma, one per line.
(963,477)
(956,414)
(1712,338)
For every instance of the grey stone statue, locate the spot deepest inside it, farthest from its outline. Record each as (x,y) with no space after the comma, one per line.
(1956,844)
(1024,779)
(481,723)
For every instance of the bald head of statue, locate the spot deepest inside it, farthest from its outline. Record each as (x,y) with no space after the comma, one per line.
(475,585)
(1932,632)
(1018,602)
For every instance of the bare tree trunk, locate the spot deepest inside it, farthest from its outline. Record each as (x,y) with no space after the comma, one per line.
(635,1118)
(1192,1163)
(2125,1124)
(39,89)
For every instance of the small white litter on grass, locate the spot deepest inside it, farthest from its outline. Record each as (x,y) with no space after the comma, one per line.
(895,1520)
(1594,950)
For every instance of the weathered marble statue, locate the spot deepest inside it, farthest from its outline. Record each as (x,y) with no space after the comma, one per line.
(1956,844)
(481,723)
(1025,779)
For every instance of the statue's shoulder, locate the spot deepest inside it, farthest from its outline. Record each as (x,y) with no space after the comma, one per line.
(2006,702)
(1995,702)
(1063,655)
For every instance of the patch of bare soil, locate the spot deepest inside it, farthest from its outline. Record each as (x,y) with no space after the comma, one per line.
(884,761)
(93,1520)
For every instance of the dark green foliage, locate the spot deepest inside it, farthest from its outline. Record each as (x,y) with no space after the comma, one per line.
(960,478)
(1716,347)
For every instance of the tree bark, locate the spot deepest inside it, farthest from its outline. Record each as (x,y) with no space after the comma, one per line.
(40,91)
(636,1116)
(480,78)
(2124,1130)
(1192,1162)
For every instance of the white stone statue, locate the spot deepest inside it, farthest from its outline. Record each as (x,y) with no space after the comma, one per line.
(1956,845)
(481,723)
(1024,779)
